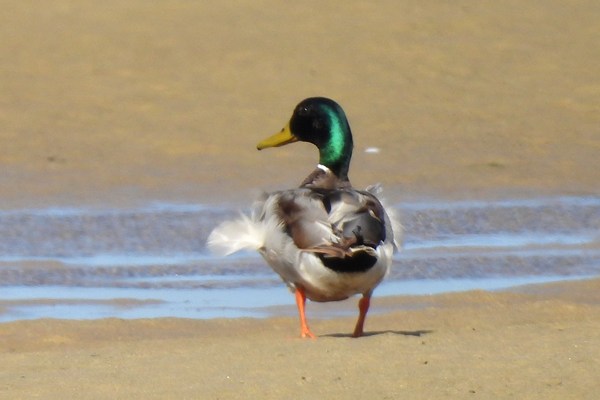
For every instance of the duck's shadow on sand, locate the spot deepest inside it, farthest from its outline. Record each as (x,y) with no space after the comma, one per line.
(417,333)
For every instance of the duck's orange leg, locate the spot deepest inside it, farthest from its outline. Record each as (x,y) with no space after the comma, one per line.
(300,302)
(363,308)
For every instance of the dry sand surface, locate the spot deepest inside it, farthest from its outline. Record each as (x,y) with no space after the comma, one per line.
(121,102)
(539,344)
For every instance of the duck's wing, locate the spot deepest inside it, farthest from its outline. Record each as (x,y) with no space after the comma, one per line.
(357,216)
(342,226)
(302,216)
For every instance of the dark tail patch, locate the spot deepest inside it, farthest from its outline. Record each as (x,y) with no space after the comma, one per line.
(360,261)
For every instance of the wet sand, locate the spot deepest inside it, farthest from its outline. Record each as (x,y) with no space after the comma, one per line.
(121,103)
(538,344)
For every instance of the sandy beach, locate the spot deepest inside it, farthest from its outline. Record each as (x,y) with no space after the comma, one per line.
(120,104)
(541,343)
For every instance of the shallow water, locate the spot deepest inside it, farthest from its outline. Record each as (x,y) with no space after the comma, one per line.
(152,262)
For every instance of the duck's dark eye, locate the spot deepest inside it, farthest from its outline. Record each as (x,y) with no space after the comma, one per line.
(303,111)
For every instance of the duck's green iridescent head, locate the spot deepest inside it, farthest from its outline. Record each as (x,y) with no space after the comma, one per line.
(322,122)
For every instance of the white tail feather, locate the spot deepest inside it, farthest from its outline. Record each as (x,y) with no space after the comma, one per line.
(239,234)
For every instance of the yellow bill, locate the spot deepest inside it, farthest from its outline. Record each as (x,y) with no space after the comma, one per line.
(279,139)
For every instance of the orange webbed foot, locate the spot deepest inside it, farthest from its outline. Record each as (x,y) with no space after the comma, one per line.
(306,333)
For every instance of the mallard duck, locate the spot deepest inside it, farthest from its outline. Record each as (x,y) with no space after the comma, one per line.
(326,240)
